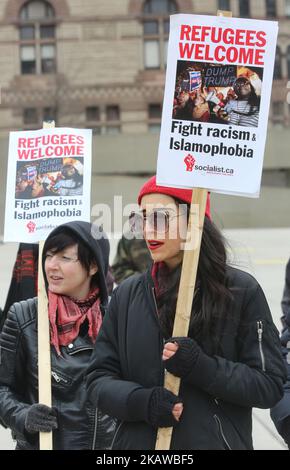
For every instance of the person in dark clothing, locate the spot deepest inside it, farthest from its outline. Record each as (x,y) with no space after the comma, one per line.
(285,304)
(230,362)
(23,283)
(280,413)
(132,257)
(75,265)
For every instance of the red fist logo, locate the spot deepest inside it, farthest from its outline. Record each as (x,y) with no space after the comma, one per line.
(189,162)
(31,227)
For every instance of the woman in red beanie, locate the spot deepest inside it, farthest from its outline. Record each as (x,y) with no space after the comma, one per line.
(229,363)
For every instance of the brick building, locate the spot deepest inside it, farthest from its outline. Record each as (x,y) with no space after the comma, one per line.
(101,64)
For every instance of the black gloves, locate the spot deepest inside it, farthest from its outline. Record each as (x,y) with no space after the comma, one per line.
(182,362)
(40,418)
(160,407)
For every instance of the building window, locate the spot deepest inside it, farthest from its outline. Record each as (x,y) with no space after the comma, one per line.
(155,31)
(287,7)
(154,117)
(244,8)
(93,119)
(30,116)
(49,114)
(34,117)
(271,11)
(92,114)
(278,64)
(112,120)
(28,59)
(112,113)
(103,120)
(37,38)
(224,5)
(288,61)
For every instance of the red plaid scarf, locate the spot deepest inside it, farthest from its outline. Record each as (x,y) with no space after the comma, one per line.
(66,315)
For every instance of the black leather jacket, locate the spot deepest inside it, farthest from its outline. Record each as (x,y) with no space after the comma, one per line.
(80,425)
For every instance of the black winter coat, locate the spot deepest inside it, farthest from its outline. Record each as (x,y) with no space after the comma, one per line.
(282,410)
(285,304)
(218,394)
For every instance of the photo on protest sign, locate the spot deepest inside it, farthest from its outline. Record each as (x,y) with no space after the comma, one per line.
(48,181)
(216,103)
(221,94)
(51,177)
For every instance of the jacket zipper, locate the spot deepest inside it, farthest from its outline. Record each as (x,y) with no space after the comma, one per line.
(58,378)
(155,303)
(218,404)
(222,432)
(88,348)
(260,339)
(115,435)
(95,429)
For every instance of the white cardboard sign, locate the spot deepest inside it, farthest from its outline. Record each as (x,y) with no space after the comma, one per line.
(216,103)
(48,181)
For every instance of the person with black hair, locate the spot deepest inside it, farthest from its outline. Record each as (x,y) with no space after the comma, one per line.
(280,413)
(229,363)
(71,181)
(244,110)
(285,303)
(75,264)
(23,284)
(132,257)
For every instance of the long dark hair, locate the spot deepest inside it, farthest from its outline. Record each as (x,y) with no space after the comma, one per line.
(211,297)
(253,99)
(78,179)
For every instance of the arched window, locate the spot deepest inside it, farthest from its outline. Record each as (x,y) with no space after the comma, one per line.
(156,30)
(278,64)
(37,38)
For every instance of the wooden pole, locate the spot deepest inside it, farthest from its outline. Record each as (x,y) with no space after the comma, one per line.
(185,294)
(224,13)
(44,362)
(186,287)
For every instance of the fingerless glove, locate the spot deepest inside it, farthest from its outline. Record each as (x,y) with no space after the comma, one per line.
(160,408)
(182,362)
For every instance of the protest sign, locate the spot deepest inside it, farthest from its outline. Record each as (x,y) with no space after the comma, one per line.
(216,103)
(48,182)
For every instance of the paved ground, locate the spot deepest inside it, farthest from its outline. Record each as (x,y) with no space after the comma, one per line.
(262,252)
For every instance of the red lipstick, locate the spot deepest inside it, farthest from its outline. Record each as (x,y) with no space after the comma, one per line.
(154,244)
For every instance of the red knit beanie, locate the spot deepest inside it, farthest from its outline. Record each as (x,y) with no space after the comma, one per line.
(178,193)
